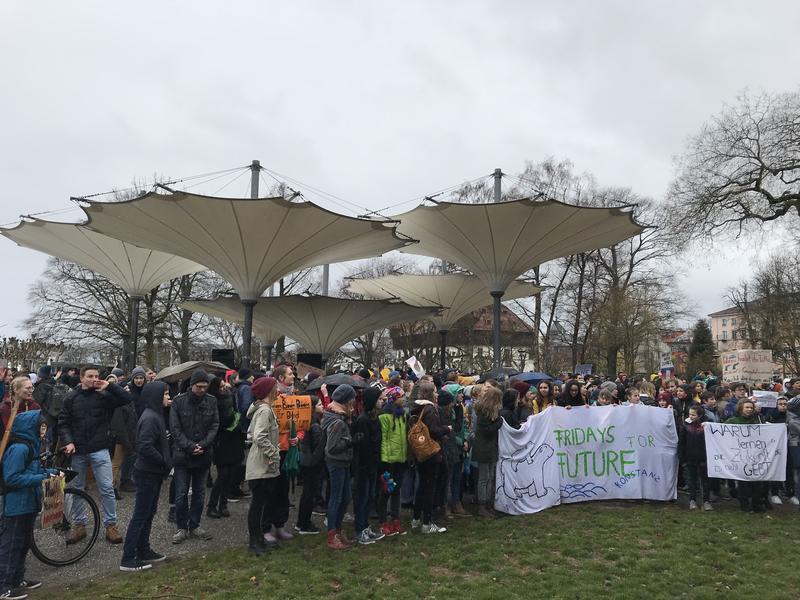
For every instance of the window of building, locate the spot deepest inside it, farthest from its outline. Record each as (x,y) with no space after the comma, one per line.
(725,334)
(733,334)
(724,322)
(733,322)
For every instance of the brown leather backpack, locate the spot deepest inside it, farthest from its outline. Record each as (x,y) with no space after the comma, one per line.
(423,446)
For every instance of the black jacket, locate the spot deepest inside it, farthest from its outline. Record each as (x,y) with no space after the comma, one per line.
(139,403)
(123,426)
(193,420)
(509,413)
(86,417)
(368,452)
(313,444)
(692,444)
(152,445)
(229,445)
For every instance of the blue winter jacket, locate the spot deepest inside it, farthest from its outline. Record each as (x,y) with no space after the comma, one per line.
(22,471)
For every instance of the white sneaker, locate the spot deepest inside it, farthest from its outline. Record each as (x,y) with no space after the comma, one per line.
(348,518)
(692,505)
(374,536)
(794,500)
(707,506)
(415,523)
(433,528)
(364,539)
(776,500)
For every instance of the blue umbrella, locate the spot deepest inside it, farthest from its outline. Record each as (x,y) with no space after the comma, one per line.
(530,377)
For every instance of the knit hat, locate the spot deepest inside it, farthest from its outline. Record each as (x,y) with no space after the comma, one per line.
(364,374)
(445,397)
(117,372)
(198,376)
(44,372)
(608,385)
(138,372)
(245,373)
(393,393)
(521,386)
(262,387)
(370,397)
(343,394)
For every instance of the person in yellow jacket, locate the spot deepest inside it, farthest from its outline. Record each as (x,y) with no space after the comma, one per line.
(394,455)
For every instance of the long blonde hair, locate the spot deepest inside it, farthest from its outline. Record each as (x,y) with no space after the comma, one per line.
(488,405)
(16,385)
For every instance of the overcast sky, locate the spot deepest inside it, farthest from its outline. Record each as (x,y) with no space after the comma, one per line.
(377,102)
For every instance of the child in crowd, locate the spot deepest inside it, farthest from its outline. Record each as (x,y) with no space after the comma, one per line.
(365,468)
(693,454)
(750,493)
(313,451)
(394,453)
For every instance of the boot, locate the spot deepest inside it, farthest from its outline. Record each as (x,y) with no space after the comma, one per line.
(483,511)
(257,546)
(343,538)
(458,510)
(334,542)
(76,534)
(213,512)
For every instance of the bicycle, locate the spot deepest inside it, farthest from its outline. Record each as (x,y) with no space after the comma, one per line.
(50,544)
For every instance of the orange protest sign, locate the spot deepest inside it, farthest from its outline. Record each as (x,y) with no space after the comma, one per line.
(288,407)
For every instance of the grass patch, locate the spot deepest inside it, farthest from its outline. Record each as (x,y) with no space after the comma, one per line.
(573,551)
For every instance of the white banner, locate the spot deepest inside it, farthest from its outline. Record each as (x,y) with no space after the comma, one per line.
(587,453)
(746,452)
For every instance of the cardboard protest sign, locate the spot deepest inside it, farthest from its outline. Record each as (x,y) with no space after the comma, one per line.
(746,452)
(52,501)
(749,366)
(766,399)
(288,407)
(597,453)
(584,370)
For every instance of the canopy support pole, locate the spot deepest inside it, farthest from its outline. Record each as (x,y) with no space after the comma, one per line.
(247,332)
(269,358)
(442,349)
(498,359)
(326,278)
(133,346)
(498,178)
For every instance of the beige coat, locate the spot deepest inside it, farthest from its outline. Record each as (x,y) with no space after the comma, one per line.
(264,457)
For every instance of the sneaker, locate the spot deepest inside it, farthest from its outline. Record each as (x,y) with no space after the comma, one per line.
(399,530)
(415,523)
(387,529)
(776,500)
(180,536)
(224,512)
(374,536)
(364,539)
(283,535)
(794,500)
(132,566)
(75,535)
(113,535)
(309,529)
(692,505)
(234,500)
(29,584)
(707,506)
(151,556)
(15,594)
(320,512)
(200,534)
(348,518)
(334,543)
(213,513)
(270,538)
(433,528)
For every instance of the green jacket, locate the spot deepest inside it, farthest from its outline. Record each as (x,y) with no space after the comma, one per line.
(739,420)
(394,442)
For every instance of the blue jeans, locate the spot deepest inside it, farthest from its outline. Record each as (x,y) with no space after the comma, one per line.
(137,538)
(188,517)
(409,485)
(340,495)
(100,462)
(365,492)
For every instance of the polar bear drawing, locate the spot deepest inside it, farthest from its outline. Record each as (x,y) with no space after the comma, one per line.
(534,484)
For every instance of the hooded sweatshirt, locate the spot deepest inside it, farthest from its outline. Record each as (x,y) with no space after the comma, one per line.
(22,472)
(338,441)
(152,446)
(136,391)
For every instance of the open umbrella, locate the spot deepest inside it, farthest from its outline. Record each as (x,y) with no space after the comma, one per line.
(531,376)
(499,373)
(291,464)
(334,380)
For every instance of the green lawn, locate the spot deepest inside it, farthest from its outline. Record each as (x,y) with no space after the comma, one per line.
(590,550)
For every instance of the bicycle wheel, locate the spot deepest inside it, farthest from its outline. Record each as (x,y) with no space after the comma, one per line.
(50,545)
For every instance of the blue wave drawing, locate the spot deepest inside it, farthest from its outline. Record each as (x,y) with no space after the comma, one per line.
(581,490)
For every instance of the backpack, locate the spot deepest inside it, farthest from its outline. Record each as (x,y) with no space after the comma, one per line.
(31,455)
(52,399)
(423,446)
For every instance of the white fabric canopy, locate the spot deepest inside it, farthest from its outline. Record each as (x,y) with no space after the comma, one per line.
(319,324)
(459,294)
(136,270)
(498,242)
(250,242)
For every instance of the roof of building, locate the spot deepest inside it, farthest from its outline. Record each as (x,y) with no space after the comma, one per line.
(733,310)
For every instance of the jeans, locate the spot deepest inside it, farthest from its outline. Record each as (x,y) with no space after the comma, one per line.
(15,541)
(423,503)
(137,538)
(100,462)
(259,519)
(187,517)
(365,492)
(340,494)
(486,488)
(409,485)
(397,471)
(698,473)
(311,476)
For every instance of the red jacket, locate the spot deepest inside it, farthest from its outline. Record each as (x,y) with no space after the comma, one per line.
(5,409)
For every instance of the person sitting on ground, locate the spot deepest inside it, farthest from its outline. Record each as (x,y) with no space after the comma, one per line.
(83,427)
(153,464)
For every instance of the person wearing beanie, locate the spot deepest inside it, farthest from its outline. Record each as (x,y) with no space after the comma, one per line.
(263,464)
(123,431)
(285,378)
(194,424)
(393,457)
(338,457)
(365,464)
(508,412)
(312,448)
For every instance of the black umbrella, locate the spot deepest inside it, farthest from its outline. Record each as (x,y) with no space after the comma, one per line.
(334,380)
(499,373)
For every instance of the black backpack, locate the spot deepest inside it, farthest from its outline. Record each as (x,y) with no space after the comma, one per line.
(31,455)
(51,399)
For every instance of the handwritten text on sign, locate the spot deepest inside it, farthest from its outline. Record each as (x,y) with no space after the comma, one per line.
(287,408)
(746,452)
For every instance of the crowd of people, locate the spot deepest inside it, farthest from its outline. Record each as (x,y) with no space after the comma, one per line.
(387,441)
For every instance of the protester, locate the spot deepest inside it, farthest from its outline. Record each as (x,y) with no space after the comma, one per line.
(194,424)
(263,464)
(508,412)
(83,426)
(312,449)
(123,440)
(365,465)
(153,464)
(485,447)
(21,391)
(394,454)
(779,416)
(525,406)
(284,377)
(545,396)
(228,449)
(455,447)
(692,448)
(750,493)
(22,476)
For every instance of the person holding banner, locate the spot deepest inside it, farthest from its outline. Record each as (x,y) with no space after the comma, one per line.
(751,494)
(692,446)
